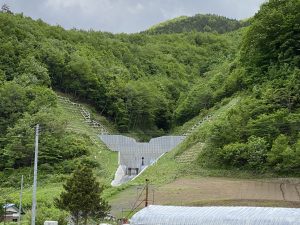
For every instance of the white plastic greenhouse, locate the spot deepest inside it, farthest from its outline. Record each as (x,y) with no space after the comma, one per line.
(177,215)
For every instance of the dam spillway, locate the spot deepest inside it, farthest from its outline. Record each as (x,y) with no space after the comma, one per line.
(135,156)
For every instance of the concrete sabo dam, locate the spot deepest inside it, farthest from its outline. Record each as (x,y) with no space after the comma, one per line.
(135,156)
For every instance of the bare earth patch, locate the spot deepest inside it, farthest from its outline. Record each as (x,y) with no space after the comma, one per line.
(215,191)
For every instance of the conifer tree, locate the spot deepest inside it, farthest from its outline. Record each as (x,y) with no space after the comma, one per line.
(82,197)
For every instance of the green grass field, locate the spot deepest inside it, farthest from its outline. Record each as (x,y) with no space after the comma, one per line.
(50,184)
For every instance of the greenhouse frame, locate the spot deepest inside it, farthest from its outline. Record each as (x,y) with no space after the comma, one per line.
(178,215)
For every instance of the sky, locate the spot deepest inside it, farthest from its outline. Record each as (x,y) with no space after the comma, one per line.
(128,16)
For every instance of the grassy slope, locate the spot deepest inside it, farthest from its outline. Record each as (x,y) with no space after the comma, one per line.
(106,158)
(178,179)
(50,187)
(168,168)
(178,164)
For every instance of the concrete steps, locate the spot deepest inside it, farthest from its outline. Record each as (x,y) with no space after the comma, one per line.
(219,113)
(77,112)
(197,125)
(190,155)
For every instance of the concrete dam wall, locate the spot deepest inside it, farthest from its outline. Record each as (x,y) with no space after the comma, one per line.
(135,156)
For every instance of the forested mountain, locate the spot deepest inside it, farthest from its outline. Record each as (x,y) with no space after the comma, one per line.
(135,80)
(262,132)
(153,83)
(197,23)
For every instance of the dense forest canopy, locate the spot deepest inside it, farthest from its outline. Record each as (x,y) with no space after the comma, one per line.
(263,131)
(135,80)
(154,83)
(197,23)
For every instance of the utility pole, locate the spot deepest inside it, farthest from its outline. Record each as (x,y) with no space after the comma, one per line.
(4,222)
(153,197)
(35,175)
(20,206)
(147,192)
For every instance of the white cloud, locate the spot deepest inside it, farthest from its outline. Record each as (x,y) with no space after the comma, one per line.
(135,9)
(126,15)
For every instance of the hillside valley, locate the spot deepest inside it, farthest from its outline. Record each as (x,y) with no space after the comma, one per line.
(230,87)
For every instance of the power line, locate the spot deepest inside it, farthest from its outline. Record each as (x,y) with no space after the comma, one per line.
(146,200)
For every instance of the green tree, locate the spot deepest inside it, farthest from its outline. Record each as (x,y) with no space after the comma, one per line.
(32,72)
(1,209)
(13,102)
(249,155)
(257,150)
(82,197)
(199,98)
(46,212)
(283,157)
(275,156)
(2,77)
(273,37)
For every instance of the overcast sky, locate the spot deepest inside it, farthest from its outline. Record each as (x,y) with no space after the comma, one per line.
(126,15)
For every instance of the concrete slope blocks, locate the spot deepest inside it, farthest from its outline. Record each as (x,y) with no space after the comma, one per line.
(135,156)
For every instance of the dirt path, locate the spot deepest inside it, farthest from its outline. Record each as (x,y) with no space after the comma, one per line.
(216,191)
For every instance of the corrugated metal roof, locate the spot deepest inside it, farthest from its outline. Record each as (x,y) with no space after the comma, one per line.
(9,205)
(177,215)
